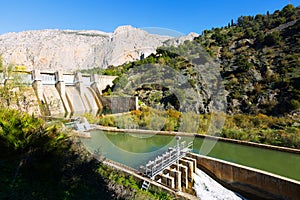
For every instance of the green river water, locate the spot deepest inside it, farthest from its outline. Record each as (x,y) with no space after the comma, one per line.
(135,150)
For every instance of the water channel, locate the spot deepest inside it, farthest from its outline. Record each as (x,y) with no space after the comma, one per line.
(135,150)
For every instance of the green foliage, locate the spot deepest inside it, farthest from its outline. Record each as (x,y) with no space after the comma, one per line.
(125,122)
(91,118)
(128,181)
(1,63)
(255,128)
(289,12)
(262,129)
(262,51)
(15,93)
(221,38)
(19,130)
(273,38)
(145,118)
(294,104)
(107,121)
(62,168)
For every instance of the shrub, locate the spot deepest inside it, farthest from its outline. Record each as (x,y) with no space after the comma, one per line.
(17,129)
(107,121)
(273,38)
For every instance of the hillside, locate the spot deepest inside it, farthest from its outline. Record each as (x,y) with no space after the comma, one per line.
(257,57)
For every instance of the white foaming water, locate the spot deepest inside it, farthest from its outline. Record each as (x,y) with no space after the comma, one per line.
(208,189)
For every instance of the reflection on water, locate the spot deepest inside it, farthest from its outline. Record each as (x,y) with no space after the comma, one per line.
(130,149)
(136,149)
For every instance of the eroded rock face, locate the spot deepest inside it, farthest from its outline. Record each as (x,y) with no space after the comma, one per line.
(179,40)
(70,50)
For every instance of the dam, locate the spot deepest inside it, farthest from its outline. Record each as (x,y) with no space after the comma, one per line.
(59,94)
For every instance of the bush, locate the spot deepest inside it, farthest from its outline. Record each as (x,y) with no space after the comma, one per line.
(294,104)
(107,121)
(273,38)
(19,130)
(91,118)
(125,122)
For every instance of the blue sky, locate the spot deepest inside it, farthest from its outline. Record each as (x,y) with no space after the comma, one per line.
(180,15)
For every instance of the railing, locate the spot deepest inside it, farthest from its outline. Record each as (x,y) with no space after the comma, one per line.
(152,168)
(48,79)
(69,79)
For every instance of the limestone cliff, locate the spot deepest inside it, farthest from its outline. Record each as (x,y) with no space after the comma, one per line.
(69,50)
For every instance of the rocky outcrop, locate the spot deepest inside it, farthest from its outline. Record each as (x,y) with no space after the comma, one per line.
(70,50)
(180,40)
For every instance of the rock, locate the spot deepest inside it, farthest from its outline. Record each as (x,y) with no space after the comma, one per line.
(177,41)
(70,50)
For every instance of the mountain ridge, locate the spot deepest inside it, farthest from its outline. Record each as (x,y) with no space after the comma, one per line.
(71,50)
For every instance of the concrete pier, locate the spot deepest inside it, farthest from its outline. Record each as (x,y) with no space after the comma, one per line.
(61,88)
(190,168)
(38,89)
(178,176)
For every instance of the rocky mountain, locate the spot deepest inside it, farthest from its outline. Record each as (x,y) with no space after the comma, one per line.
(70,50)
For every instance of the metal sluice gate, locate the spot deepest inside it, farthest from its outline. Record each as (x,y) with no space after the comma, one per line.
(152,168)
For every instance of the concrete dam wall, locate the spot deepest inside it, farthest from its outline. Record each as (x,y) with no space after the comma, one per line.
(60,94)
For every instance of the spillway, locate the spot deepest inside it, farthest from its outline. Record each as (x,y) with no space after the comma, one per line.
(75,101)
(53,101)
(82,102)
(209,189)
(90,100)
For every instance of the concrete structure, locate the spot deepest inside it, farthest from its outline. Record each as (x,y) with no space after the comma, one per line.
(177,173)
(172,169)
(65,94)
(177,176)
(251,183)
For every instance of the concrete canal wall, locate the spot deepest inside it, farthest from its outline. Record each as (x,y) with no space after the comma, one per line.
(252,183)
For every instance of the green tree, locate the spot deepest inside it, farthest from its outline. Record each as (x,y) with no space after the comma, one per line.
(288,11)
(273,38)
(260,38)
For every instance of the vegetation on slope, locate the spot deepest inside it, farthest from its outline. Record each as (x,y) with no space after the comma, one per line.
(42,161)
(253,128)
(259,62)
(258,57)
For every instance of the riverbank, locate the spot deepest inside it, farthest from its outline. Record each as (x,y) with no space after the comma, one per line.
(260,128)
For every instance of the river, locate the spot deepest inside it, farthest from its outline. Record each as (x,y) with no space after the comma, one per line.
(135,150)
